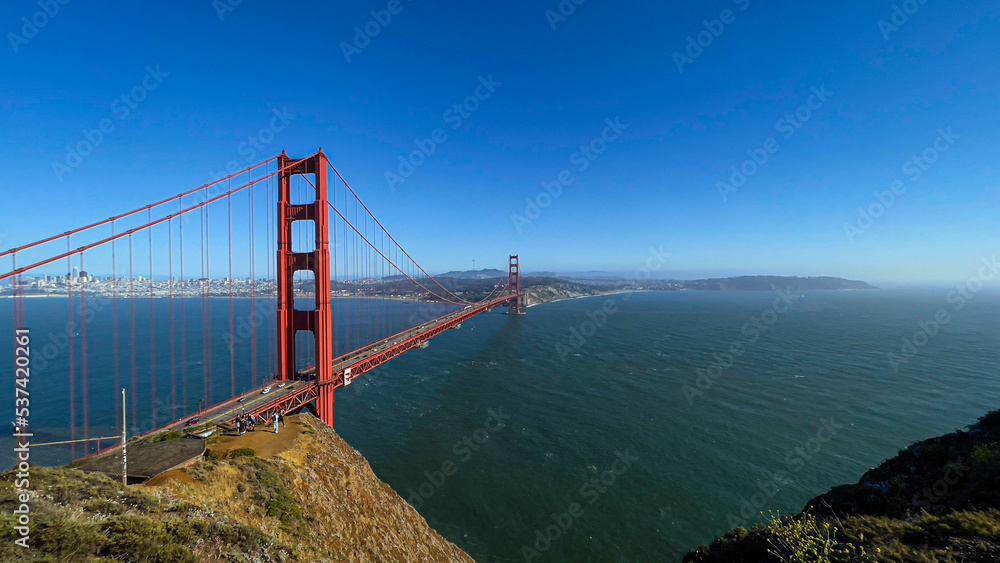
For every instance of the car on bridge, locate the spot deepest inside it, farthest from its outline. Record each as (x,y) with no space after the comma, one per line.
(266,390)
(193,421)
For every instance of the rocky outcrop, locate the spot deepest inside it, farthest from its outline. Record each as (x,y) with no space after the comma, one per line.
(301,495)
(937,500)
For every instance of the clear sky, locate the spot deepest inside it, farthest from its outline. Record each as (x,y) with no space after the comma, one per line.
(884,85)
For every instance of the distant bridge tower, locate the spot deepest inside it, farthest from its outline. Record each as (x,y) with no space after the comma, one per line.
(514,283)
(291,320)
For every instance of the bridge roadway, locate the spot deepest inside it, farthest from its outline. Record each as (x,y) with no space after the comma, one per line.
(297,393)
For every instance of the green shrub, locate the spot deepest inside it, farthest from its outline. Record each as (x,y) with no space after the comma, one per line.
(270,490)
(201,471)
(164,436)
(139,538)
(242,452)
(986,455)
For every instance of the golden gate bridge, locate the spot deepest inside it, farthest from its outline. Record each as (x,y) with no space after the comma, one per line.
(315,255)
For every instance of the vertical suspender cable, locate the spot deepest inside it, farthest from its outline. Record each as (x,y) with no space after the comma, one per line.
(131,291)
(71,330)
(208,304)
(152,328)
(232,342)
(204,314)
(253,295)
(83,351)
(180,225)
(114,320)
(173,335)
(271,259)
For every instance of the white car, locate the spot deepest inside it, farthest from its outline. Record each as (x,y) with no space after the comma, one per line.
(282,384)
(266,390)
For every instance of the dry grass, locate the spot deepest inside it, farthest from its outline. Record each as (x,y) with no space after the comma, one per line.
(313,499)
(308,488)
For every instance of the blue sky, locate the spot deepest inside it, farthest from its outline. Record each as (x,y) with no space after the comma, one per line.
(220,72)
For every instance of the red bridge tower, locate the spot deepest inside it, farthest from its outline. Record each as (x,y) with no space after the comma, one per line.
(514,283)
(291,320)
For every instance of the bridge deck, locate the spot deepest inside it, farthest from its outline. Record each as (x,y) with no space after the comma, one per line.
(296,394)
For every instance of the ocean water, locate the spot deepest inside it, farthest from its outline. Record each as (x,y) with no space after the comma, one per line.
(701,465)
(609,450)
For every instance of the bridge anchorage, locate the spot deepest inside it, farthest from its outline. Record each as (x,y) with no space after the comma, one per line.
(149,286)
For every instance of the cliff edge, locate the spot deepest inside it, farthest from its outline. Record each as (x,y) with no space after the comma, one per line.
(300,495)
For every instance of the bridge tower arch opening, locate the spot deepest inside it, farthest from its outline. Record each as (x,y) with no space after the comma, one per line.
(319,320)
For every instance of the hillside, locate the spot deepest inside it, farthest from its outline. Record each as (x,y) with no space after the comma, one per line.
(937,500)
(791,283)
(548,289)
(300,495)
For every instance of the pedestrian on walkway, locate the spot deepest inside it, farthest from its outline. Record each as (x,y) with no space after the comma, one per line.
(275,417)
(281,418)
(252,423)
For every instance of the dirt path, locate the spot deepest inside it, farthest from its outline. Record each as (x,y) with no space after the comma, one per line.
(263,440)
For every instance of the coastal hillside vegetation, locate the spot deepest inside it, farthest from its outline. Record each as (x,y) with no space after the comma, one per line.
(937,501)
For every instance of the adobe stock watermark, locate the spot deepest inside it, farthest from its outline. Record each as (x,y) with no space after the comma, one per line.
(590,492)
(121,108)
(255,144)
(598,318)
(223,7)
(958,297)
(463,450)
(30,26)
(795,459)
(696,44)
(914,168)
(563,11)
(551,190)
(787,127)
(752,330)
(901,14)
(363,35)
(454,116)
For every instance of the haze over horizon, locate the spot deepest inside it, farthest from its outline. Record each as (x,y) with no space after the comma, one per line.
(828,110)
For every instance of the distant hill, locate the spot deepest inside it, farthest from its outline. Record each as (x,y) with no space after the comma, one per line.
(476,285)
(598,279)
(489,274)
(593,274)
(741,283)
(794,283)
